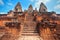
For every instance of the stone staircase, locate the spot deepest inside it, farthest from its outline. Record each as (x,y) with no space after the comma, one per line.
(29,32)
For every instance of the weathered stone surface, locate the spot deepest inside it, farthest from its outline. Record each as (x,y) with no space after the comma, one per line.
(30,24)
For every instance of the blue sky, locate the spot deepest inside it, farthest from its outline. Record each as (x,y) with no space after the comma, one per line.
(52,5)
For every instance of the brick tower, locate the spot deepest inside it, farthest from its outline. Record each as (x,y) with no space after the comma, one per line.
(18,7)
(30,9)
(42,8)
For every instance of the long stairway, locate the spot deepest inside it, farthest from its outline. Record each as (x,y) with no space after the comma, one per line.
(29,32)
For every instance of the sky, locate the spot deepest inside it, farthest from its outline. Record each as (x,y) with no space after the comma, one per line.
(7,5)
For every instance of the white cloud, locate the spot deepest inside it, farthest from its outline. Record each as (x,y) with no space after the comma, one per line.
(37,2)
(58,12)
(1,2)
(57,6)
(3,13)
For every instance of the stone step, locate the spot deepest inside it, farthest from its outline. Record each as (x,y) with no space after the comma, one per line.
(29,31)
(30,38)
(30,25)
(30,34)
(29,28)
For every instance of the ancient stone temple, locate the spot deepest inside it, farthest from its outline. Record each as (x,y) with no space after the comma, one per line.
(30,24)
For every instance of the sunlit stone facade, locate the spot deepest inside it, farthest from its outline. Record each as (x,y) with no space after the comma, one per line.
(30,24)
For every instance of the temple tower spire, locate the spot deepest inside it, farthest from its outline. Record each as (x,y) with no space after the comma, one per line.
(30,9)
(18,7)
(42,8)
